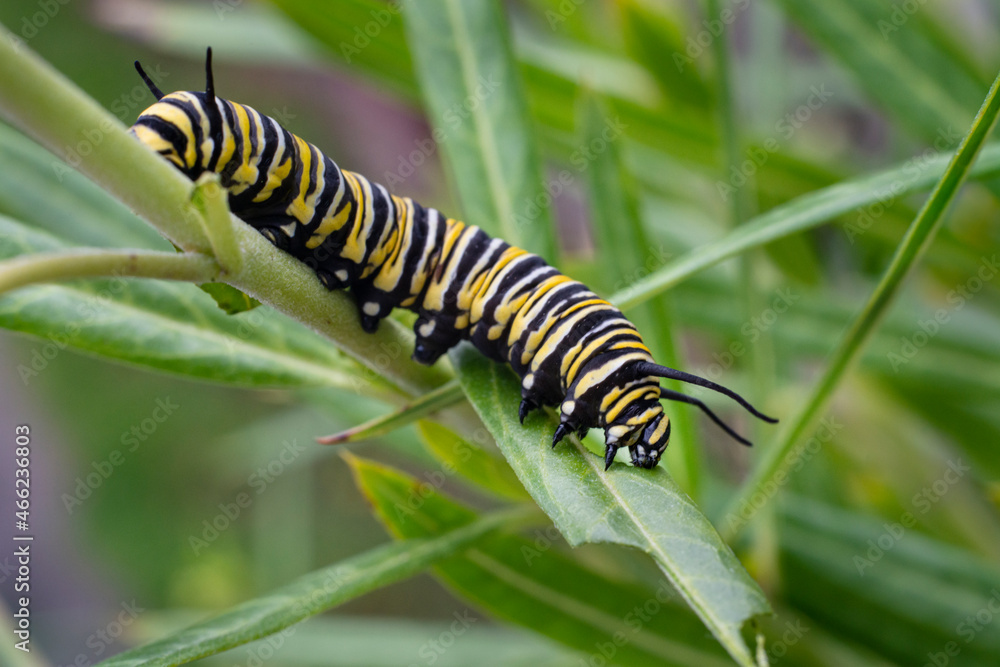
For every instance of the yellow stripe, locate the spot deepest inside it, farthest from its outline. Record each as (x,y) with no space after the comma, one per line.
(528,312)
(420,273)
(579,357)
(278,171)
(303,207)
(476,276)
(566,325)
(228,145)
(354,249)
(624,402)
(631,344)
(493,280)
(594,377)
(646,416)
(246,174)
(434,300)
(391,233)
(612,394)
(660,430)
(176,117)
(329,225)
(388,279)
(536,338)
(155,141)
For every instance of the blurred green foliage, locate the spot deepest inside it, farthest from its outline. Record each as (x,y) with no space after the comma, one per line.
(879,547)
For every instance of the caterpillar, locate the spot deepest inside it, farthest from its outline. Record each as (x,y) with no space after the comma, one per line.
(569,347)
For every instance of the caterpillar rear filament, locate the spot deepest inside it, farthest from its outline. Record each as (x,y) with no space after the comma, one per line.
(569,347)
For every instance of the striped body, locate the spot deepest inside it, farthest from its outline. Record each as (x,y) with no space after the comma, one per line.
(569,347)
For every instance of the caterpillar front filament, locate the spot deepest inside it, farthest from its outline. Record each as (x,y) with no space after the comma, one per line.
(569,347)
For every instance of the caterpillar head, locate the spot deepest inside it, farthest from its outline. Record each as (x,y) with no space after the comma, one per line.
(639,424)
(649,448)
(173,125)
(648,433)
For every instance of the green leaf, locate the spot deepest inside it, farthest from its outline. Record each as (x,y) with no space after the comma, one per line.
(622,243)
(472,91)
(808,211)
(438,399)
(308,596)
(682,134)
(228,298)
(898,592)
(487,470)
(37,188)
(170,327)
(364,34)
(341,640)
(529,582)
(781,453)
(903,86)
(639,508)
(656,39)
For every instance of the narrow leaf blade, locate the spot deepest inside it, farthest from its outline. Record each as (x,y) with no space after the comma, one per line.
(474,98)
(639,508)
(310,595)
(529,582)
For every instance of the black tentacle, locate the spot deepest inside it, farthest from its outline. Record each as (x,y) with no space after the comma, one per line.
(209,77)
(672,395)
(673,374)
(153,88)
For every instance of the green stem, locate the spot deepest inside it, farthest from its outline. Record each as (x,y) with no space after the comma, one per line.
(806,212)
(212,201)
(444,396)
(43,103)
(93,263)
(52,109)
(773,467)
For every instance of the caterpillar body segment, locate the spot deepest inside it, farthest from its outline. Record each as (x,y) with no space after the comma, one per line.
(570,348)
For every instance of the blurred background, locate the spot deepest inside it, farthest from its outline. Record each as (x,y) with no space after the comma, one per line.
(825,92)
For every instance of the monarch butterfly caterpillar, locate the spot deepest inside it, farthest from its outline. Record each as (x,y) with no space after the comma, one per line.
(569,347)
